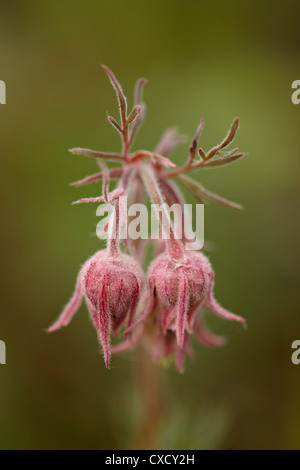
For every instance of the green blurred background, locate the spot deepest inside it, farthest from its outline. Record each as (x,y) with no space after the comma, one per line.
(213,59)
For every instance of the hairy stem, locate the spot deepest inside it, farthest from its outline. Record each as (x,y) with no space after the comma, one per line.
(151,400)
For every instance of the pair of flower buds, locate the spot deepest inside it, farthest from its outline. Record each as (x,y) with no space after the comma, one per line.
(163,308)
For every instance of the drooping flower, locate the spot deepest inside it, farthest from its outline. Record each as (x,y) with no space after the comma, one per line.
(182,287)
(111,286)
(179,291)
(166,313)
(110,281)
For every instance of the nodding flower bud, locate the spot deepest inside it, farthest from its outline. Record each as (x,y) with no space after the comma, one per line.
(111,286)
(181,288)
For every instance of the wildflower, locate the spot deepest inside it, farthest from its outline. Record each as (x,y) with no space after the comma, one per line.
(111,283)
(180,286)
(165,313)
(111,286)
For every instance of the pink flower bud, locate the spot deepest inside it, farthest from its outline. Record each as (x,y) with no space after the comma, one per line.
(111,286)
(181,289)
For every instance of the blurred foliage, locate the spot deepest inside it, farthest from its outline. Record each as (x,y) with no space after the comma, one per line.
(213,59)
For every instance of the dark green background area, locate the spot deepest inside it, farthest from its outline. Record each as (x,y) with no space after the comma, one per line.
(212,59)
